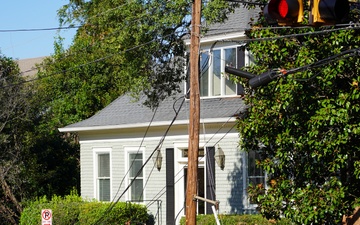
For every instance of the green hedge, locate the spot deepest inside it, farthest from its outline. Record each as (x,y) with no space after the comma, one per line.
(236,219)
(72,209)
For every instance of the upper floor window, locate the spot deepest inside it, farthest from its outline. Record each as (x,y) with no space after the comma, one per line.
(213,79)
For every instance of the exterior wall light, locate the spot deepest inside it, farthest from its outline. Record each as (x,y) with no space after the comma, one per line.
(220,158)
(157,158)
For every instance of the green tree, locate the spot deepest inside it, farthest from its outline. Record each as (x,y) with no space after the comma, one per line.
(33,161)
(120,47)
(306,124)
(14,122)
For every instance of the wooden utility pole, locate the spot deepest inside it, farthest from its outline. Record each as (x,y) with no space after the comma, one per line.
(194,118)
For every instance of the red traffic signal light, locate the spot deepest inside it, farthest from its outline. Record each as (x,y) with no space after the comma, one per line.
(329,11)
(285,12)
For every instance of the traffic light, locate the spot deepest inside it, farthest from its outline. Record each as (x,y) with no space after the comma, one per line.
(285,12)
(325,12)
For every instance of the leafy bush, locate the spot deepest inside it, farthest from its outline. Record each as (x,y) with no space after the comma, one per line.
(121,213)
(236,220)
(72,209)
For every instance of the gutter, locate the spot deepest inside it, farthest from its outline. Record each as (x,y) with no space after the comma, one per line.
(140,125)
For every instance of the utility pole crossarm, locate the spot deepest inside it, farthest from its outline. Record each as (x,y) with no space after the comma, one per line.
(214,202)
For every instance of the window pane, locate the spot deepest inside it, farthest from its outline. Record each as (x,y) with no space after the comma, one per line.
(134,156)
(216,73)
(104,189)
(230,60)
(256,181)
(253,169)
(135,161)
(256,175)
(104,165)
(136,190)
(204,74)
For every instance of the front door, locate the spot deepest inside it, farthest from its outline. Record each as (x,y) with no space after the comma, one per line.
(200,189)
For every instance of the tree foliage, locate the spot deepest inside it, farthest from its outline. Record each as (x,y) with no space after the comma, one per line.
(120,47)
(305,125)
(14,122)
(33,161)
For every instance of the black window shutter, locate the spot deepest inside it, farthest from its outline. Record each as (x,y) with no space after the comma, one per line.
(240,64)
(210,177)
(170,189)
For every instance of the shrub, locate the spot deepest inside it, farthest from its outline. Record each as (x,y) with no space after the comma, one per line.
(236,220)
(121,213)
(73,210)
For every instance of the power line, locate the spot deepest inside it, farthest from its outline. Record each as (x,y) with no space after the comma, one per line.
(141,143)
(291,35)
(142,167)
(207,142)
(81,65)
(342,55)
(236,28)
(246,2)
(41,29)
(233,41)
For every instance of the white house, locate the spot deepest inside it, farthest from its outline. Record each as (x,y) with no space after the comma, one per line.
(124,138)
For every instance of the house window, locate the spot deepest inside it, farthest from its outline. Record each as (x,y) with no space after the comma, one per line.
(213,79)
(185,153)
(256,175)
(103,176)
(136,176)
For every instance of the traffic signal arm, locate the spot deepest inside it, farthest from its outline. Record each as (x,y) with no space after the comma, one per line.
(239,73)
(254,80)
(262,79)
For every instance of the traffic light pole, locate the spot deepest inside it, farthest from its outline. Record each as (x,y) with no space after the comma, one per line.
(194,118)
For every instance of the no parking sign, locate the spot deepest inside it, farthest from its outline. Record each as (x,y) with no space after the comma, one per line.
(46,217)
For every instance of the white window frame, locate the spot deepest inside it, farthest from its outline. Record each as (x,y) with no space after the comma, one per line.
(246,200)
(223,76)
(96,153)
(134,150)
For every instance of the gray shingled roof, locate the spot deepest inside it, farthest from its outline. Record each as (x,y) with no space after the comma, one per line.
(124,111)
(236,22)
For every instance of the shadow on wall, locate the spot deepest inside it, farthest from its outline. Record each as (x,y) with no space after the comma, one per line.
(236,179)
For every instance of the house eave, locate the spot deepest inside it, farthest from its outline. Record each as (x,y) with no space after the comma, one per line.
(140,125)
(213,38)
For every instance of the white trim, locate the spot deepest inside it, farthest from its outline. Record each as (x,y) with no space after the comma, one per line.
(235,35)
(184,136)
(127,151)
(139,125)
(96,152)
(246,200)
(217,86)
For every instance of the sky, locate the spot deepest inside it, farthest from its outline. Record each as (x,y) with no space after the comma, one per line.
(30,14)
